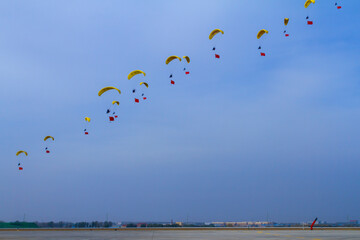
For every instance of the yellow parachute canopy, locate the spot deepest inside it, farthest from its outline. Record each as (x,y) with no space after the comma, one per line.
(169,59)
(214,32)
(135,72)
(286,21)
(147,85)
(105,89)
(117,102)
(187,59)
(19,152)
(261,32)
(87,119)
(47,137)
(308,2)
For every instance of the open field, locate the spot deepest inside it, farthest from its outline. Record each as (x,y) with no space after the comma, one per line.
(183,234)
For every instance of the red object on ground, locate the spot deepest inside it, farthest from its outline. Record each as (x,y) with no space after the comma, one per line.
(111,119)
(310,22)
(187,72)
(217,56)
(144,98)
(286,35)
(312,225)
(47,151)
(116,116)
(86,133)
(172,82)
(20,168)
(338,7)
(136,100)
(262,54)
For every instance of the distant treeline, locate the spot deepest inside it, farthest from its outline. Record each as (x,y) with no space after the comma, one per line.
(108,224)
(94,224)
(18,224)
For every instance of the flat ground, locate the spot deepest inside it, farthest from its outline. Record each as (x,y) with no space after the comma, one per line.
(183,234)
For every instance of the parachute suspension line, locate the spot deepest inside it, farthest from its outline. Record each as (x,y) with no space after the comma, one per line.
(337,5)
(308,4)
(19,154)
(214,49)
(286,21)
(259,36)
(19,165)
(136,100)
(112,106)
(145,84)
(214,33)
(109,112)
(172,81)
(171,78)
(86,125)
(309,21)
(260,45)
(104,90)
(169,60)
(186,63)
(46,140)
(136,72)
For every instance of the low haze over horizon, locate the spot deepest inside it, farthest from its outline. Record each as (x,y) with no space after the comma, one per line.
(241,138)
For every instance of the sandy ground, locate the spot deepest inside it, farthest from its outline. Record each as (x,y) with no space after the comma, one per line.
(188,234)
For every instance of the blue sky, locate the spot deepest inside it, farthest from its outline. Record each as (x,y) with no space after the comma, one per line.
(241,138)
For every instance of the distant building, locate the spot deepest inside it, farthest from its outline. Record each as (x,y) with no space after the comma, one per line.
(241,224)
(140,225)
(218,224)
(230,224)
